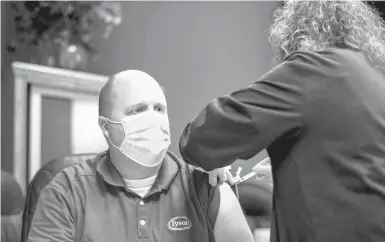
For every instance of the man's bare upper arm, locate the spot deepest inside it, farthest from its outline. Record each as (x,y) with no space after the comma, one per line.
(231,224)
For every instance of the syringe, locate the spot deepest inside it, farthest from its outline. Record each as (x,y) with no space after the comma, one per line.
(263,162)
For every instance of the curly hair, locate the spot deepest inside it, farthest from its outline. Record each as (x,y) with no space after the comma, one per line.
(318,25)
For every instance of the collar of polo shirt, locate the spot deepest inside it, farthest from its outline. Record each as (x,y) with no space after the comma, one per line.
(166,176)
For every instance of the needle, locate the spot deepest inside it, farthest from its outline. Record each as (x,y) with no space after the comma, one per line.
(239,179)
(246,177)
(263,162)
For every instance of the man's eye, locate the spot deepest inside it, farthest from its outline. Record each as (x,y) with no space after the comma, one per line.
(159,109)
(137,110)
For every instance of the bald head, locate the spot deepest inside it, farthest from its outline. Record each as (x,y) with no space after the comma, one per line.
(129,91)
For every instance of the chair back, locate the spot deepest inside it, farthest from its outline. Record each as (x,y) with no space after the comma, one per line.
(42,178)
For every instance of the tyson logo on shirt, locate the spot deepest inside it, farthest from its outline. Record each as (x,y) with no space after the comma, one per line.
(179,223)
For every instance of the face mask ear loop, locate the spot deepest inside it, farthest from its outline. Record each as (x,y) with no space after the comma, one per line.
(109,120)
(109,139)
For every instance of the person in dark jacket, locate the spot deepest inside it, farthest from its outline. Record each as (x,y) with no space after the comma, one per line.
(320,113)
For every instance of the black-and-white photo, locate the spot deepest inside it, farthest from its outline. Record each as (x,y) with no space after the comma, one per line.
(193,121)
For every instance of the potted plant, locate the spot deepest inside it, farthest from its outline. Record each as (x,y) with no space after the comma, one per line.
(61,31)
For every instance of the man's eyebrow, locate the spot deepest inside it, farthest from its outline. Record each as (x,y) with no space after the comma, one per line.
(161,104)
(136,105)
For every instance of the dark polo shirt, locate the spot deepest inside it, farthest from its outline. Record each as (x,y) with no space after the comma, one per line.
(89,202)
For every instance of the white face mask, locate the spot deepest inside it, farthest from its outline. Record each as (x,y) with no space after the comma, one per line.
(146,138)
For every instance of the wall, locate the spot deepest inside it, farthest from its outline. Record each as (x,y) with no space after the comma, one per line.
(196,50)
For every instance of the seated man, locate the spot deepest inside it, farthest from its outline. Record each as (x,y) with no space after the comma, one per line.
(137,190)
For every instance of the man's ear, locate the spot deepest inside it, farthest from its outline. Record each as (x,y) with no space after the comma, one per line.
(104,125)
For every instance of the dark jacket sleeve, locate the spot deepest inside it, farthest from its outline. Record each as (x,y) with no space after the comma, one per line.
(54,218)
(240,125)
